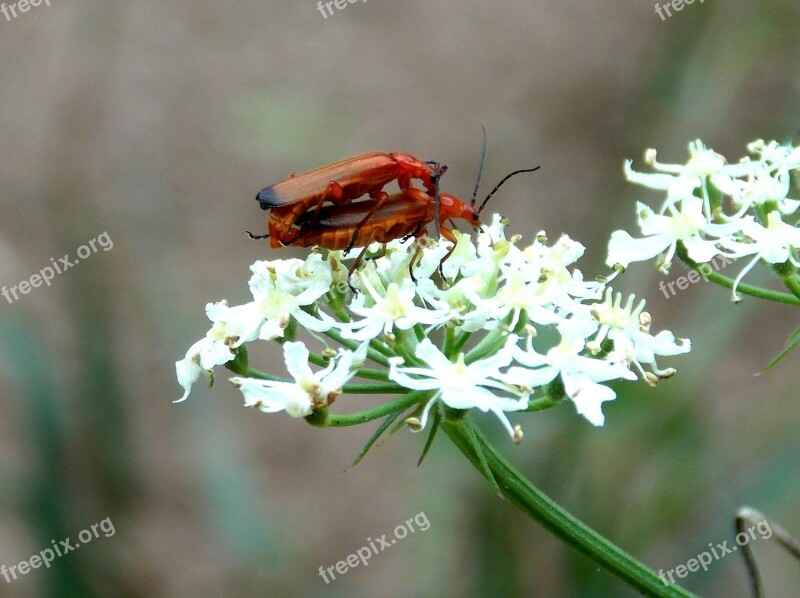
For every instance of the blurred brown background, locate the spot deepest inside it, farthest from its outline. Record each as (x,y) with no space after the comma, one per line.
(158,123)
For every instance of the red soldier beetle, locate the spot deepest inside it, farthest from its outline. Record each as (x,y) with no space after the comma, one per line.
(400,215)
(340,183)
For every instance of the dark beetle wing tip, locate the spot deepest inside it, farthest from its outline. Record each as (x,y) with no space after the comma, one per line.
(268,199)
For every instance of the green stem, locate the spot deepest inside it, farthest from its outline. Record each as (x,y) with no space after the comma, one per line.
(488,345)
(460,342)
(371,374)
(792,282)
(745,289)
(337,306)
(542,403)
(405,346)
(449,341)
(259,375)
(318,359)
(373,353)
(354,419)
(240,365)
(556,520)
(377,389)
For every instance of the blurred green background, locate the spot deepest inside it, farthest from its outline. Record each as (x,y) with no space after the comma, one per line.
(157,123)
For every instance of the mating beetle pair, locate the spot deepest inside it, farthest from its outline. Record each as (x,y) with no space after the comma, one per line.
(317,208)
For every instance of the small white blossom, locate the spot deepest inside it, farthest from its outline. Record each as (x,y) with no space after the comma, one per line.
(282,288)
(200,359)
(662,233)
(628,327)
(394,307)
(580,374)
(232,326)
(683,180)
(463,386)
(309,390)
(772,243)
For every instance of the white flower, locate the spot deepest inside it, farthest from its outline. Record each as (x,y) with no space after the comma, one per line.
(681,180)
(662,233)
(463,386)
(772,243)
(629,328)
(200,359)
(700,219)
(539,281)
(391,266)
(580,374)
(465,303)
(516,295)
(282,288)
(307,280)
(232,327)
(491,286)
(309,390)
(776,154)
(394,307)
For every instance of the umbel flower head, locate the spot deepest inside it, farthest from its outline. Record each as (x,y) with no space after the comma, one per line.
(507,329)
(716,209)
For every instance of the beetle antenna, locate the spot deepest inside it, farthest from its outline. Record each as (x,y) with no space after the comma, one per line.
(500,184)
(480,166)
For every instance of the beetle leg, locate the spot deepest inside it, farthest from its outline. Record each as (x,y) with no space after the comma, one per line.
(378,194)
(447,234)
(417,252)
(333,192)
(252,236)
(300,234)
(359,259)
(369,215)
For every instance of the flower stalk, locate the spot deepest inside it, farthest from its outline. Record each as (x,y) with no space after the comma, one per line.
(531,501)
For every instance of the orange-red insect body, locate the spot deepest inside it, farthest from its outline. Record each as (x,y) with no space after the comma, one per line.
(340,183)
(359,224)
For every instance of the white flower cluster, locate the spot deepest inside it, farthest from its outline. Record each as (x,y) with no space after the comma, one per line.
(716,209)
(527,318)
